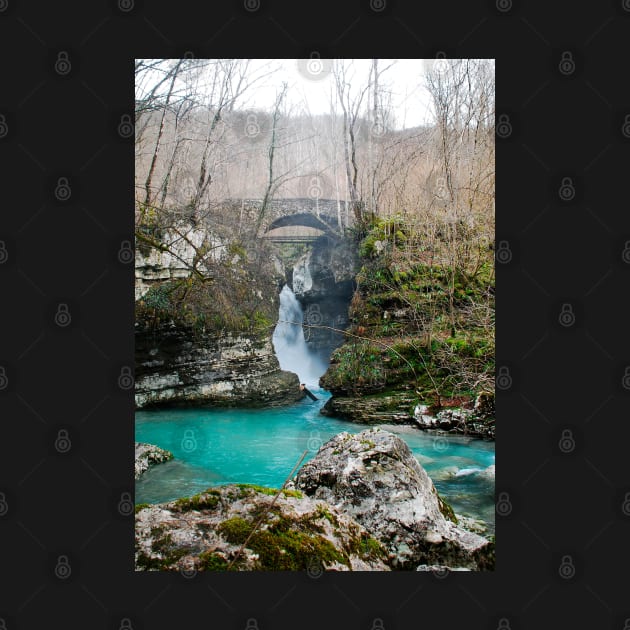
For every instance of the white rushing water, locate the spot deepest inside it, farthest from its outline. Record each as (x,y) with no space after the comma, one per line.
(288,341)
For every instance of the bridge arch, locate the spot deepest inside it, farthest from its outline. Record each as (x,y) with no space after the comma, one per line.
(299,227)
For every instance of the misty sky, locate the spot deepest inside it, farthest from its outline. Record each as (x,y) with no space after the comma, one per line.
(411,102)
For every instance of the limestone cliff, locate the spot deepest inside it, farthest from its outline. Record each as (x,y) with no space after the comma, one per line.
(176,365)
(174,261)
(323,282)
(204,337)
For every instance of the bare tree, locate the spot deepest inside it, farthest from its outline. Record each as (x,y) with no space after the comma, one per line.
(351,105)
(273,181)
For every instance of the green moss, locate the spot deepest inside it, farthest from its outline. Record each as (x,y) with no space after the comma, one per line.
(210,560)
(323,512)
(391,231)
(261,320)
(293,493)
(366,547)
(162,543)
(235,530)
(287,544)
(293,550)
(158,530)
(446,510)
(148,563)
(246,487)
(206,500)
(141,506)
(369,547)
(356,365)
(441,315)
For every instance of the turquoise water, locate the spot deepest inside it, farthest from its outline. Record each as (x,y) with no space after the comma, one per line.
(261,446)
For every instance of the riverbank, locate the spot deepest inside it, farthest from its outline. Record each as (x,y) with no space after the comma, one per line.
(402,408)
(420,346)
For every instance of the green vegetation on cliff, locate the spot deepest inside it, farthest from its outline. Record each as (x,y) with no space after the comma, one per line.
(237,294)
(422,317)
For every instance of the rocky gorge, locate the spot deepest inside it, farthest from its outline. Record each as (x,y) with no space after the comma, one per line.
(175,365)
(363,502)
(322,280)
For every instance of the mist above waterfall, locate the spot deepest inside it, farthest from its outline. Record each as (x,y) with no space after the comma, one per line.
(291,348)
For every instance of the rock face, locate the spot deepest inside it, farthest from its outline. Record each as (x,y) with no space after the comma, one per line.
(374,478)
(148,455)
(206,344)
(206,532)
(394,408)
(179,366)
(153,266)
(476,422)
(323,282)
(384,408)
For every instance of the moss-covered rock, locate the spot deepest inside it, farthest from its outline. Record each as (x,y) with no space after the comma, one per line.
(374,478)
(420,319)
(283,531)
(207,500)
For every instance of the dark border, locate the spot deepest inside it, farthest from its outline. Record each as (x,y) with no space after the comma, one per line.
(65,454)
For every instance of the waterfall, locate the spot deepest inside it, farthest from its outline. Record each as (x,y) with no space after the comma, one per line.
(288,341)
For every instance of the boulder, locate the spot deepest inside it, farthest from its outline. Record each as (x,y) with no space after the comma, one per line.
(374,478)
(148,455)
(293,532)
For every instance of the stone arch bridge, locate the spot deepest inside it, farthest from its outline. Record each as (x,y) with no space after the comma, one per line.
(300,220)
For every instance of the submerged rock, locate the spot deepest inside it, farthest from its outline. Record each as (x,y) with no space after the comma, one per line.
(148,455)
(206,532)
(374,478)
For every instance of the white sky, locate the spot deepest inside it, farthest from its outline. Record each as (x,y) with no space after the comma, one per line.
(411,103)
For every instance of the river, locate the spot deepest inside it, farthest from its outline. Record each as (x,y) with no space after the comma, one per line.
(261,446)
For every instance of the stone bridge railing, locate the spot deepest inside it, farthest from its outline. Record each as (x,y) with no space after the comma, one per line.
(336,213)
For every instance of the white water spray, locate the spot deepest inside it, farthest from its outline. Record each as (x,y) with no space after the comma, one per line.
(288,341)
